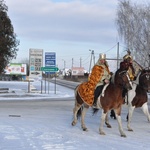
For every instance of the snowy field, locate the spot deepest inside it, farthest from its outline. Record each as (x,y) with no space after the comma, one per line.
(45,124)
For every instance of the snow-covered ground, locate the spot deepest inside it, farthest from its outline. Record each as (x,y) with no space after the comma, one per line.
(45,124)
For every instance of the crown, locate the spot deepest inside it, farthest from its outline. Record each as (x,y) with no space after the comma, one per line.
(102,56)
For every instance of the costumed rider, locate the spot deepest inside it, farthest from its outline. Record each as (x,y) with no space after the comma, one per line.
(100,75)
(127,64)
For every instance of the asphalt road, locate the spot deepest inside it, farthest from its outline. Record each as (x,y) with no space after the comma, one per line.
(32,107)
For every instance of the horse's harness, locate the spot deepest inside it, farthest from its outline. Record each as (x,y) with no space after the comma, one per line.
(147,75)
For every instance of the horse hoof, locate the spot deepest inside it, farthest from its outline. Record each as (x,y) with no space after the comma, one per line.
(108,125)
(85,129)
(73,123)
(130,130)
(123,135)
(102,133)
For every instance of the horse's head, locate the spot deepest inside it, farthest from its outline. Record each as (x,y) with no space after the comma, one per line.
(122,79)
(144,79)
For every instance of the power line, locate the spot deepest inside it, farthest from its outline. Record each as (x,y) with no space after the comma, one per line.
(110,48)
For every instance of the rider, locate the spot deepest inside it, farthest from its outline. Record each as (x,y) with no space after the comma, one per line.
(126,64)
(99,76)
(104,76)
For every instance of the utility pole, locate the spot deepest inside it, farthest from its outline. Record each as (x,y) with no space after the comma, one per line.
(92,56)
(72,62)
(80,62)
(64,63)
(117,55)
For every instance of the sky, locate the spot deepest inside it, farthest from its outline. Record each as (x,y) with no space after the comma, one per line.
(71,28)
(45,124)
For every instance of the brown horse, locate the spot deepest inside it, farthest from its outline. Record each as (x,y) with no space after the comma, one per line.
(111,98)
(137,97)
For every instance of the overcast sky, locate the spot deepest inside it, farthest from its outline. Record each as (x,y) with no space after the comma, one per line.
(68,27)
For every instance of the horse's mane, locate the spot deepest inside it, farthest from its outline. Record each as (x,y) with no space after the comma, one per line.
(114,74)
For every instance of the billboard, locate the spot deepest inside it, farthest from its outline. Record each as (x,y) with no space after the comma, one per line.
(50,60)
(35,62)
(16,69)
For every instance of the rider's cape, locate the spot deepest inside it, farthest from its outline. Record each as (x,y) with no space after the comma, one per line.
(86,89)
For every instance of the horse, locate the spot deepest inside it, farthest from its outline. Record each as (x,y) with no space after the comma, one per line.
(111,98)
(137,97)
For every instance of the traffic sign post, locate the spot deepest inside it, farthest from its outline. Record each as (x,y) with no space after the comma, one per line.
(50,63)
(49,69)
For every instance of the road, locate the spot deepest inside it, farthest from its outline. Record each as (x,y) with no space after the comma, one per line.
(46,125)
(33,108)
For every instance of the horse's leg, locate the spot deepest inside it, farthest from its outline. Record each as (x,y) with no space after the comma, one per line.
(118,117)
(107,121)
(130,113)
(112,114)
(85,108)
(75,111)
(102,123)
(127,117)
(146,111)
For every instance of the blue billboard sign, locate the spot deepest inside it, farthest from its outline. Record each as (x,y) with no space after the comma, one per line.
(50,60)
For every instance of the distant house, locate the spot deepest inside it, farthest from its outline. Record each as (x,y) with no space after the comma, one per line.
(77,71)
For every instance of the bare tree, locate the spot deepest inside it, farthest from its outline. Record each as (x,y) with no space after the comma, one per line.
(133,22)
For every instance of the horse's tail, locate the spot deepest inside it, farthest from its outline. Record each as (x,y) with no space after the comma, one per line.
(95,111)
(81,108)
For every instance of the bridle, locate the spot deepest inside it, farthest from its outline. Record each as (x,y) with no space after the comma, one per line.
(124,72)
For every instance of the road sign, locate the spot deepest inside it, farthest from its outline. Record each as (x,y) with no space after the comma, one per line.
(35,73)
(50,69)
(50,63)
(50,59)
